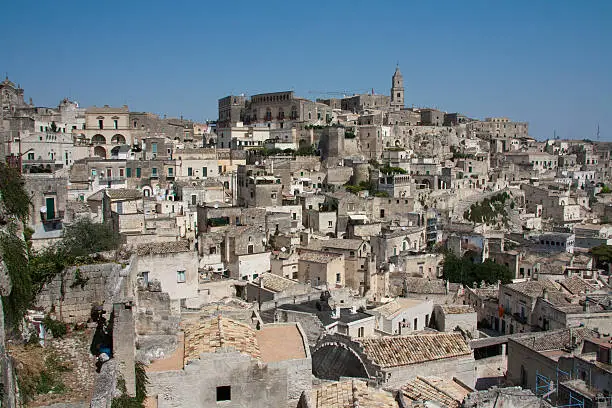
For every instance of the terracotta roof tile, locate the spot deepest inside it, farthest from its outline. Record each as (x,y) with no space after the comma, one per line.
(123,194)
(275,283)
(457,309)
(576,285)
(396,351)
(351,394)
(154,248)
(553,340)
(208,336)
(447,393)
(396,305)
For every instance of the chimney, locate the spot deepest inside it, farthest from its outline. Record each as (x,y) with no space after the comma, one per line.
(545,294)
(337,312)
(353,309)
(261,282)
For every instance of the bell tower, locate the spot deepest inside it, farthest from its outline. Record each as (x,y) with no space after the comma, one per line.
(397,90)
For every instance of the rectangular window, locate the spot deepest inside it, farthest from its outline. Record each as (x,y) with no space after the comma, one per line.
(330,224)
(360,332)
(116,123)
(194,199)
(224,393)
(128,172)
(212,250)
(180,276)
(189,172)
(121,172)
(170,172)
(416,323)
(220,169)
(109,173)
(204,171)
(153,147)
(101,123)
(137,172)
(145,278)
(250,249)
(30,156)
(337,278)
(154,172)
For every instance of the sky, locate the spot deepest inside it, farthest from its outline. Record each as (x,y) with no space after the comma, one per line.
(545,62)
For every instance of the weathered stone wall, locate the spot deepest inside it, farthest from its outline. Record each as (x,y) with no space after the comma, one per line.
(105,386)
(72,298)
(253,384)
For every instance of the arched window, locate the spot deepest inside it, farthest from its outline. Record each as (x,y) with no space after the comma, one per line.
(98,139)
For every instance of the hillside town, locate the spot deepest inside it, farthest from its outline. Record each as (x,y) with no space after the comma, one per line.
(347,251)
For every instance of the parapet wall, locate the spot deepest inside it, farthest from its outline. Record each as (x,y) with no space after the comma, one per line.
(72,293)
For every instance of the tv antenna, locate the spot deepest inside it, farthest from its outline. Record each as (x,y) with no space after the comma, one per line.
(598,131)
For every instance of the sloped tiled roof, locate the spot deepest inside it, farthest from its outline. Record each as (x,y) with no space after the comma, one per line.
(154,248)
(576,285)
(318,256)
(274,282)
(457,309)
(123,194)
(396,305)
(393,351)
(425,285)
(447,393)
(554,340)
(351,394)
(208,336)
(339,243)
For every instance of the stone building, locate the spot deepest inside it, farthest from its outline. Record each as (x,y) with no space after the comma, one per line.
(171,266)
(106,128)
(538,354)
(402,315)
(225,362)
(392,361)
(449,318)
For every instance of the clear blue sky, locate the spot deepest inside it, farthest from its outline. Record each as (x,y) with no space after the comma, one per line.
(546,62)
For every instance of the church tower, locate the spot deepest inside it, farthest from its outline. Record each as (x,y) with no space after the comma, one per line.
(397,90)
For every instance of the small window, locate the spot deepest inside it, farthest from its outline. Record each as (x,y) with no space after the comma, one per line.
(170,172)
(330,224)
(30,156)
(154,172)
(116,123)
(189,171)
(338,279)
(101,123)
(416,323)
(180,276)
(224,393)
(212,250)
(194,199)
(137,172)
(360,332)
(128,172)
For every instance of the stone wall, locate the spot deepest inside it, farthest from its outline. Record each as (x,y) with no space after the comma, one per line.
(72,298)
(253,384)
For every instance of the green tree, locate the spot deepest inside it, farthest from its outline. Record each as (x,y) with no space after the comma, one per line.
(602,255)
(463,270)
(85,237)
(14,210)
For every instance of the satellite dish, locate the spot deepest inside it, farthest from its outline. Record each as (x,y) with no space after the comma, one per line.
(257,163)
(283,249)
(216,205)
(43,209)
